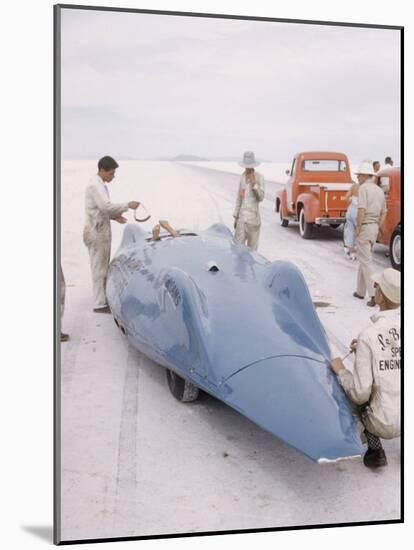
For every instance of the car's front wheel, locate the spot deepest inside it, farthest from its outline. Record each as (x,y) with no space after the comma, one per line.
(305,228)
(182,389)
(395,248)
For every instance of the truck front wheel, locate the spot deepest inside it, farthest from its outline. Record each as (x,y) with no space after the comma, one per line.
(395,248)
(305,228)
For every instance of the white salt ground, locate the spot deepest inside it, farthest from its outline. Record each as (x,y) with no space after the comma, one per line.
(136,462)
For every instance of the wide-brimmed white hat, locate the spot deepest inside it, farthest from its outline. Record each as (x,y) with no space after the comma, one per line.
(249,160)
(365,168)
(389,282)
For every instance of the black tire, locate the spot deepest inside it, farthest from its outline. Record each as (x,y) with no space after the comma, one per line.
(395,248)
(305,228)
(182,389)
(283,221)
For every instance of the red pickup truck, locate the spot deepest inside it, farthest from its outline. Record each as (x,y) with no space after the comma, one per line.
(315,191)
(390,182)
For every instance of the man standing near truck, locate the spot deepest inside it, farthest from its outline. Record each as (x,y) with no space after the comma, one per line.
(371,215)
(251,192)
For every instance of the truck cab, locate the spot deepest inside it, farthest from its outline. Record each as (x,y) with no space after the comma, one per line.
(389,179)
(315,191)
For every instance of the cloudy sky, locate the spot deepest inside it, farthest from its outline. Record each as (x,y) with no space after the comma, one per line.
(149,86)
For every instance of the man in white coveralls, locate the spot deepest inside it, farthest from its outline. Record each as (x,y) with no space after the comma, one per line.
(97,232)
(371,215)
(250,194)
(374,384)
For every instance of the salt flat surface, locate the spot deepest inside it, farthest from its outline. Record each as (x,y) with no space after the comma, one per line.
(135,461)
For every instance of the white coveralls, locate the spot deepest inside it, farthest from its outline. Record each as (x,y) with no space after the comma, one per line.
(371,197)
(97,234)
(247,212)
(376,376)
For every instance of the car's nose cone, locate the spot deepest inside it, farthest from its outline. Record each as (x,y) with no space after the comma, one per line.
(300,401)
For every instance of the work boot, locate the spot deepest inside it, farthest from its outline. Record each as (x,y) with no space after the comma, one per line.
(356,295)
(375,458)
(104,309)
(371,302)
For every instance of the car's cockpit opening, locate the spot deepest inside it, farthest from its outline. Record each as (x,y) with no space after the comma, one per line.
(167,236)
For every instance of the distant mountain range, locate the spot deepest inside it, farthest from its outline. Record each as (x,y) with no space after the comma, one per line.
(180,158)
(177,158)
(195,158)
(212,159)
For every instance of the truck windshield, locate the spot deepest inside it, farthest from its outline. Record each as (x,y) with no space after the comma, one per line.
(324,165)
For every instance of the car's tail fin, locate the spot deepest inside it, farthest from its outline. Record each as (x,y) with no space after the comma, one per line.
(288,286)
(220,230)
(190,319)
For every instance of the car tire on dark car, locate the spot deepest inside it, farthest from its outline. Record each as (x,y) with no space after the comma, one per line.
(182,389)
(395,248)
(305,228)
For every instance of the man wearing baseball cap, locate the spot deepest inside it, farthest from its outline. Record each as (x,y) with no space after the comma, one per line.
(374,384)
(371,215)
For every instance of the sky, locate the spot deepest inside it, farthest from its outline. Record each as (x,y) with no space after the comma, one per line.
(150,86)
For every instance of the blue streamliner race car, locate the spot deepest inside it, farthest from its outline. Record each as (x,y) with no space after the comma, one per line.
(223,319)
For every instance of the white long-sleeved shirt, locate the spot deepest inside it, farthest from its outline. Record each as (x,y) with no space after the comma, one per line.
(376,376)
(99,209)
(248,199)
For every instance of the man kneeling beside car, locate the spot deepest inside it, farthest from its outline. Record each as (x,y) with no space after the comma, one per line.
(374,384)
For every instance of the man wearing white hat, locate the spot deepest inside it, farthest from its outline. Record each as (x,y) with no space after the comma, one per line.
(246,213)
(374,384)
(371,214)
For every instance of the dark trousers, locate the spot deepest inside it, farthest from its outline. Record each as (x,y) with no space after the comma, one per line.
(374,442)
